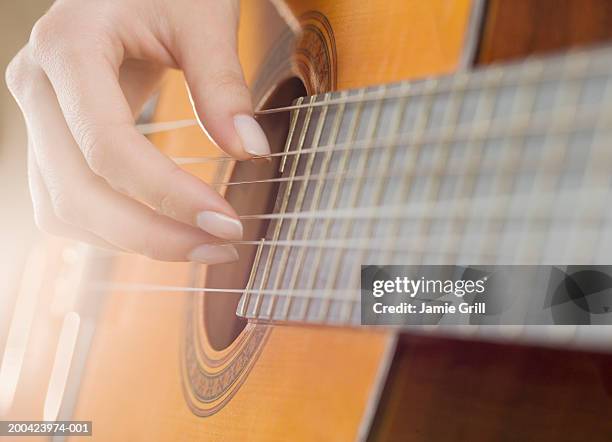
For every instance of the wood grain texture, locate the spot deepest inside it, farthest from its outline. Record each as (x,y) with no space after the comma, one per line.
(514,29)
(385,41)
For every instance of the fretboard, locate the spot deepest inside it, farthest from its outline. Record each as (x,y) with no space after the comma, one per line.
(506,165)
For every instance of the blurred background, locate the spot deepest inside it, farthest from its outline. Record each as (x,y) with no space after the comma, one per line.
(17,230)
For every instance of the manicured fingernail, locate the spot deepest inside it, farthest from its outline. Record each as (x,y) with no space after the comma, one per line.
(251,135)
(214,253)
(219,225)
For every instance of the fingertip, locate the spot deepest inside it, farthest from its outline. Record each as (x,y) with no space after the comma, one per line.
(215,112)
(220,225)
(252,137)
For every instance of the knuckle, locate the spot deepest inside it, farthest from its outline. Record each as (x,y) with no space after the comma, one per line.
(18,74)
(55,40)
(44,35)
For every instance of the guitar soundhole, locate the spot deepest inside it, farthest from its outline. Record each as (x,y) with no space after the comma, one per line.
(222,324)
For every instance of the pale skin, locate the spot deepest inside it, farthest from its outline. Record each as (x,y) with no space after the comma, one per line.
(82,79)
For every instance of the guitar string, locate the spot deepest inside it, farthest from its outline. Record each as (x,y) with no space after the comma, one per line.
(572,71)
(429,250)
(360,244)
(464,79)
(450,171)
(142,287)
(391,243)
(288,108)
(385,143)
(348,175)
(523,124)
(345,295)
(472,134)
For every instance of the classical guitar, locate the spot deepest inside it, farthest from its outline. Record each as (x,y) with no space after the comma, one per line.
(403,132)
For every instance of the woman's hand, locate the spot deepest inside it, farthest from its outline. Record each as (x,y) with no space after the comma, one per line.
(88,68)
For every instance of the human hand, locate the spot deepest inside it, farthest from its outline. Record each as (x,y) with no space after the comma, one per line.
(81,79)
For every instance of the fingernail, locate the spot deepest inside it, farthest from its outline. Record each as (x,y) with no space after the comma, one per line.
(251,135)
(213,253)
(220,225)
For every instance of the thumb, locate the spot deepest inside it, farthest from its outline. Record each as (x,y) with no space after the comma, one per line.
(209,58)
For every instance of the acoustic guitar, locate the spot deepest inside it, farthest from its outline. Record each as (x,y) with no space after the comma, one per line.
(403,132)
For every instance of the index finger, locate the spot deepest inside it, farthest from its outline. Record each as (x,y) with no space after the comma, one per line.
(101,122)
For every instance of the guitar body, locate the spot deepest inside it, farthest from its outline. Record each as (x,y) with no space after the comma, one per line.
(170,365)
(276,382)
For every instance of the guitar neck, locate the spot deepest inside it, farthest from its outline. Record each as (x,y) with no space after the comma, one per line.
(507,165)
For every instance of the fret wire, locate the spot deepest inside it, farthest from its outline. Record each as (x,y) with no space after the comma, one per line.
(269,257)
(245,298)
(452,114)
(346,312)
(486,106)
(356,190)
(551,162)
(599,160)
(287,148)
(335,130)
(526,100)
(411,162)
(351,133)
(299,201)
(536,121)
(287,196)
(298,264)
(324,167)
